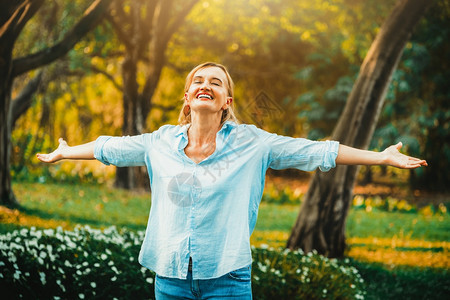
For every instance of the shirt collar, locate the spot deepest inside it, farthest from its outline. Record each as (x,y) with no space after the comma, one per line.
(182,131)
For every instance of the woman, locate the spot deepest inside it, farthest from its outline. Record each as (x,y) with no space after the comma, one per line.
(207,177)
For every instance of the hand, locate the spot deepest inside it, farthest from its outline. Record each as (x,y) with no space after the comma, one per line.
(393,157)
(55,155)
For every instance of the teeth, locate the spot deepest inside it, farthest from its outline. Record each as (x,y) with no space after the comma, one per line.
(205,96)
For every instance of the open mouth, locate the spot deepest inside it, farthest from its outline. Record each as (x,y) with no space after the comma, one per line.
(205,96)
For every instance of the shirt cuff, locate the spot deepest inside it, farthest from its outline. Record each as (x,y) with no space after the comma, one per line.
(331,153)
(98,149)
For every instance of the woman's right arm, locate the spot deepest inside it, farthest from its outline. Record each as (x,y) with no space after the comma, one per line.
(64,151)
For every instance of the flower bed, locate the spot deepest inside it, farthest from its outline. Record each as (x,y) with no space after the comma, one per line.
(92,264)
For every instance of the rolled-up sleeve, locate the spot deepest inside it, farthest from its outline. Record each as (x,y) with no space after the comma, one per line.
(123,151)
(299,153)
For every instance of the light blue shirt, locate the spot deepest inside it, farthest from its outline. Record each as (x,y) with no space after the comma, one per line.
(208,210)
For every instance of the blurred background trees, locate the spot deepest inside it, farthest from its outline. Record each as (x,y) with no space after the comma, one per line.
(300,58)
(15,15)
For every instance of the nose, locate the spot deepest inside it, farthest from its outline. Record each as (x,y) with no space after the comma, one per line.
(205,85)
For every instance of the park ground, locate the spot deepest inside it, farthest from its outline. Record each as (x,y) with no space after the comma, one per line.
(399,239)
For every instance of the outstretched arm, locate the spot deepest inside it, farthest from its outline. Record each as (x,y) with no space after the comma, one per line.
(64,151)
(390,156)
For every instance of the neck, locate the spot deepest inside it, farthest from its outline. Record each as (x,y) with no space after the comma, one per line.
(204,128)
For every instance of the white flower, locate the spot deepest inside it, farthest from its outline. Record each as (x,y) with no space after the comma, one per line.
(17,275)
(114,278)
(42,275)
(48,231)
(149,280)
(94,285)
(104,256)
(81,296)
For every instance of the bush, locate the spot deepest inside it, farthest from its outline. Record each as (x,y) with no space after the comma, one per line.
(91,264)
(81,264)
(285,274)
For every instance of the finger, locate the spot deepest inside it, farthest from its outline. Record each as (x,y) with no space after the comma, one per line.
(62,141)
(42,157)
(417,163)
(399,145)
(414,159)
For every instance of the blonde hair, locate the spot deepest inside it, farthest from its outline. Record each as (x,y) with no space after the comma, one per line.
(227,114)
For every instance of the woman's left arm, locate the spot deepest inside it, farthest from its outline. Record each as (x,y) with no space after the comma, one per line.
(390,156)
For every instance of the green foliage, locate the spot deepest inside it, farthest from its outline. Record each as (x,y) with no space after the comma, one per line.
(284,274)
(403,283)
(83,264)
(91,264)
(417,110)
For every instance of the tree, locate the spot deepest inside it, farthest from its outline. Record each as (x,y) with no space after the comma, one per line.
(321,222)
(143,29)
(13,17)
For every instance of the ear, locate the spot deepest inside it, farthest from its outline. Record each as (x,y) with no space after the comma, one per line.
(226,105)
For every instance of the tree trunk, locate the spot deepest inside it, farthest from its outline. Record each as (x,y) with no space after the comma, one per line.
(320,224)
(11,24)
(6,193)
(145,39)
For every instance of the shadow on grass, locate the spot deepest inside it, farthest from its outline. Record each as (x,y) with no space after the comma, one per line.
(74,220)
(404,282)
(404,249)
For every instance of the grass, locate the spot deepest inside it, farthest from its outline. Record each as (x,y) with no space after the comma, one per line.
(400,255)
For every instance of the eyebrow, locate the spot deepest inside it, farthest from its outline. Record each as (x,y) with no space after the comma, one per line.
(201,77)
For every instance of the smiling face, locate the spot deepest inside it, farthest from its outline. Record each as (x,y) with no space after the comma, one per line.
(215,78)
(208,91)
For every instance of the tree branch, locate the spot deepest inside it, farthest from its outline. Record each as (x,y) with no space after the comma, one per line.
(91,17)
(19,15)
(29,10)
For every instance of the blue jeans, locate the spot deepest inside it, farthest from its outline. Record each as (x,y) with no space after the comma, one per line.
(234,285)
